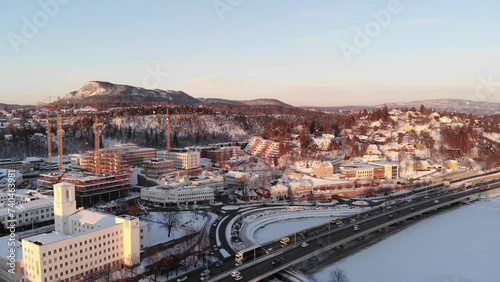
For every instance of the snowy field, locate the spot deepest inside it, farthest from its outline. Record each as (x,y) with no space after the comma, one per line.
(189,222)
(457,246)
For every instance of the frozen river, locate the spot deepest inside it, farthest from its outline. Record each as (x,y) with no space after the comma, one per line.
(462,245)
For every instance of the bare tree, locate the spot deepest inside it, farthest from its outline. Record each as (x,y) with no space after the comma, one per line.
(170,220)
(338,275)
(154,259)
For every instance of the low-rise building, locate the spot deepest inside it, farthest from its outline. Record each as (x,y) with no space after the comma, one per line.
(163,195)
(235,179)
(361,171)
(29,213)
(216,183)
(183,158)
(322,169)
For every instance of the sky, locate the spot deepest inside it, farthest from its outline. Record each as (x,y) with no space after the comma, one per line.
(305,53)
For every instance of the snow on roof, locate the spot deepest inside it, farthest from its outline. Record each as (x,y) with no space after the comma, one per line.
(236,174)
(94,218)
(318,164)
(31,205)
(278,189)
(47,238)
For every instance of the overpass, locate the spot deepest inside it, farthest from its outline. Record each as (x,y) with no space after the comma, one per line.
(333,239)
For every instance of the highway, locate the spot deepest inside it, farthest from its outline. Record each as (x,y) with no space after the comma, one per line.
(331,236)
(289,256)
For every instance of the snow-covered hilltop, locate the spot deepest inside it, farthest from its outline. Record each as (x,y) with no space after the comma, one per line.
(103,91)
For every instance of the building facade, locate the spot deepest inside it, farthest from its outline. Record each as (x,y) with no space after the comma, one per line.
(164,195)
(183,158)
(85,244)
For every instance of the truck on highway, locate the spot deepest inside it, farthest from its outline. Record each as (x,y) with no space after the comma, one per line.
(248,254)
(284,240)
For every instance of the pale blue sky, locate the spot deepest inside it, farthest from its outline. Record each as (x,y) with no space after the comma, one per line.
(289,50)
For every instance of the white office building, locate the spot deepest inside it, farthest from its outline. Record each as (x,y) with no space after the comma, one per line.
(85,244)
(163,195)
(183,159)
(28,213)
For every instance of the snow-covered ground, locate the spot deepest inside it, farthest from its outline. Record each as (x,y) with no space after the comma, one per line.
(189,222)
(457,246)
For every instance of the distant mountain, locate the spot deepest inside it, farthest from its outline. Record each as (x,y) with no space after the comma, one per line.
(255,102)
(12,106)
(449,105)
(101,91)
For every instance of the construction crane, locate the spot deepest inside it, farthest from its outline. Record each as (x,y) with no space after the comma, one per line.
(167,130)
(48,104)
(97,143)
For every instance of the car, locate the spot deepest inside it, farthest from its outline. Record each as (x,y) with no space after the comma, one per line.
(356,227)
(205,272)
(352,220)
(303,245)
(436,202)
(426,197)
(339,223)
(184,278)
(276,262)
(388,207)
(391,216)
(235,273)
(205,278)
(219,263)
(238,278)
(238,263)
(215,224)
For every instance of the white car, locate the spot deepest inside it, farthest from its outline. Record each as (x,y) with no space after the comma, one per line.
(238,278)
(205,272)
(303,245)
(356,227)
(235,273)
(182,279)
(436,202)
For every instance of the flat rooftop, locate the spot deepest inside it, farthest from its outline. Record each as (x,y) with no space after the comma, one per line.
(94,218)
(47,238)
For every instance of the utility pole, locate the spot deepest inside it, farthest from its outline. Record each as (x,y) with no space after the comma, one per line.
(167,130)
(60,141)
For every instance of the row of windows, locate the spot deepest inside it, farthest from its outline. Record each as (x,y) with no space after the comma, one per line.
(84,243)
(59,276)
